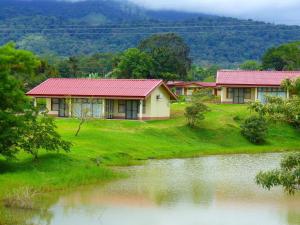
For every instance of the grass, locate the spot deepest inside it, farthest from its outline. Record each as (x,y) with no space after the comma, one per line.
(114,142)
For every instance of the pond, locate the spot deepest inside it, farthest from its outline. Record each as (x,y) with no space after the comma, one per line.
(215,190)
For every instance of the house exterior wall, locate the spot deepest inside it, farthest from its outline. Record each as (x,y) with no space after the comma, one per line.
(224,99)
(154,108)
(159,108)
(48,106)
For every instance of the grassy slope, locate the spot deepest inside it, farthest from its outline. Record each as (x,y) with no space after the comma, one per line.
(125,142)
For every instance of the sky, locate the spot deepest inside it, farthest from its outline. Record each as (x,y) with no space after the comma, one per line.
(277,11)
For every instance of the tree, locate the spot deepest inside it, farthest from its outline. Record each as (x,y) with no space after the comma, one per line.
(292,86)
(170,54)
(288,176)
(134,64)
(255,129)
(20,64)
(250,65)
(196,111)
(284,57)
(39,133)
(20,125)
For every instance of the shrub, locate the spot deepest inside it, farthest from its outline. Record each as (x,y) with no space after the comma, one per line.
(255,129)
(195,113)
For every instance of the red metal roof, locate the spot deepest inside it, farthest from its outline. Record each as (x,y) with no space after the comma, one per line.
(190,83)
(84,87)
(254,78)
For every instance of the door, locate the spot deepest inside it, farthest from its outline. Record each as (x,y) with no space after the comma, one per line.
(63,108)
(238,96)
(132,109)
(109,108)
(97,110)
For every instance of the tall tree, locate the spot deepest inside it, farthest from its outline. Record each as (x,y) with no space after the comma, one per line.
(134,64)
(170,54)
(20,64)
(20,125)
(284,57)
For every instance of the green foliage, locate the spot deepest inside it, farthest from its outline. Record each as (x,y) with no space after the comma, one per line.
(80,66)
(20,64)
(70,32)
(292,86)
(134,64)
(40,133)
(205,95)
(170,54)
(195,112)
(278,109)
(288,176)
(284,57)
(250,65)
(20,126)
(255,129)
(198,73)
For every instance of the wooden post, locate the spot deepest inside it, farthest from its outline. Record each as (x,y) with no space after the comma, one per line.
(141,110)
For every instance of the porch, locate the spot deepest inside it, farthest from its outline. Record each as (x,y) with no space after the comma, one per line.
(241,95)
(132,109)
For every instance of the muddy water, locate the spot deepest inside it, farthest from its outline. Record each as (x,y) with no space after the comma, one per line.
(216,190)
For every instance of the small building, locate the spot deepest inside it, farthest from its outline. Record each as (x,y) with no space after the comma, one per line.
(239,86)
(187,88)
(105,98)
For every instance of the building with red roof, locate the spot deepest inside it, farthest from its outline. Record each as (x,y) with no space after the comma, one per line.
(239,86)
(187,88)
(105,98)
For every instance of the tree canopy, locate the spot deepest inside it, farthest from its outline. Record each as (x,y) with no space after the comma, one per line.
(170,54)
(20,125)
(284,57)
(134,63)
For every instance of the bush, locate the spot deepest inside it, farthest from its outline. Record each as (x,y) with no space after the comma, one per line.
(195,113)
(255,129)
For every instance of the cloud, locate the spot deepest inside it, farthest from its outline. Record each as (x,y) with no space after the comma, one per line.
(280,11)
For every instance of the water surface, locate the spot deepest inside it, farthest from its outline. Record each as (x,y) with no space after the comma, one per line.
(216,190)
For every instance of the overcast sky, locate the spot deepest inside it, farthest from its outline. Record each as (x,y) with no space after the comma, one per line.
(278,11)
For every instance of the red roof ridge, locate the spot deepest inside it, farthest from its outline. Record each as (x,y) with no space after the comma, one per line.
(87,78)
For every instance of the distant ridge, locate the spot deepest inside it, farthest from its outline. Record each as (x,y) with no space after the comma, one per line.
(66,29)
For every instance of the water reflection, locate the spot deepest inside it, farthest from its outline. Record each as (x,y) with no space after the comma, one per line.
(201,191)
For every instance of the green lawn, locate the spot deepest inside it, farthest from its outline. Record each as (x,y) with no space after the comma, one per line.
(126,142)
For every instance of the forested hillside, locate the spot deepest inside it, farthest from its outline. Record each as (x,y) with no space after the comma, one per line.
(66,29)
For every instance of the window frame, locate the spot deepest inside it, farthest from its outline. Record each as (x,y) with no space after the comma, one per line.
(247,93)
(53,104)
(121,103)
(229,93)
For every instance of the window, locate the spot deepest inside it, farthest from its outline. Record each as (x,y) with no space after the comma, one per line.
(179,91)
(229,93)
(247,93)
(121,106)
(54,104)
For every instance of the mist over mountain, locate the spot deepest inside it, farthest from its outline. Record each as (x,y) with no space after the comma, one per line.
(84,27)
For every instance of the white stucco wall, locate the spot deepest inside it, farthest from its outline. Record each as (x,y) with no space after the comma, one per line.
(160,108)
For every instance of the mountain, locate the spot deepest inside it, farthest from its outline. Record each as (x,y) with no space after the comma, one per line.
(86,27)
